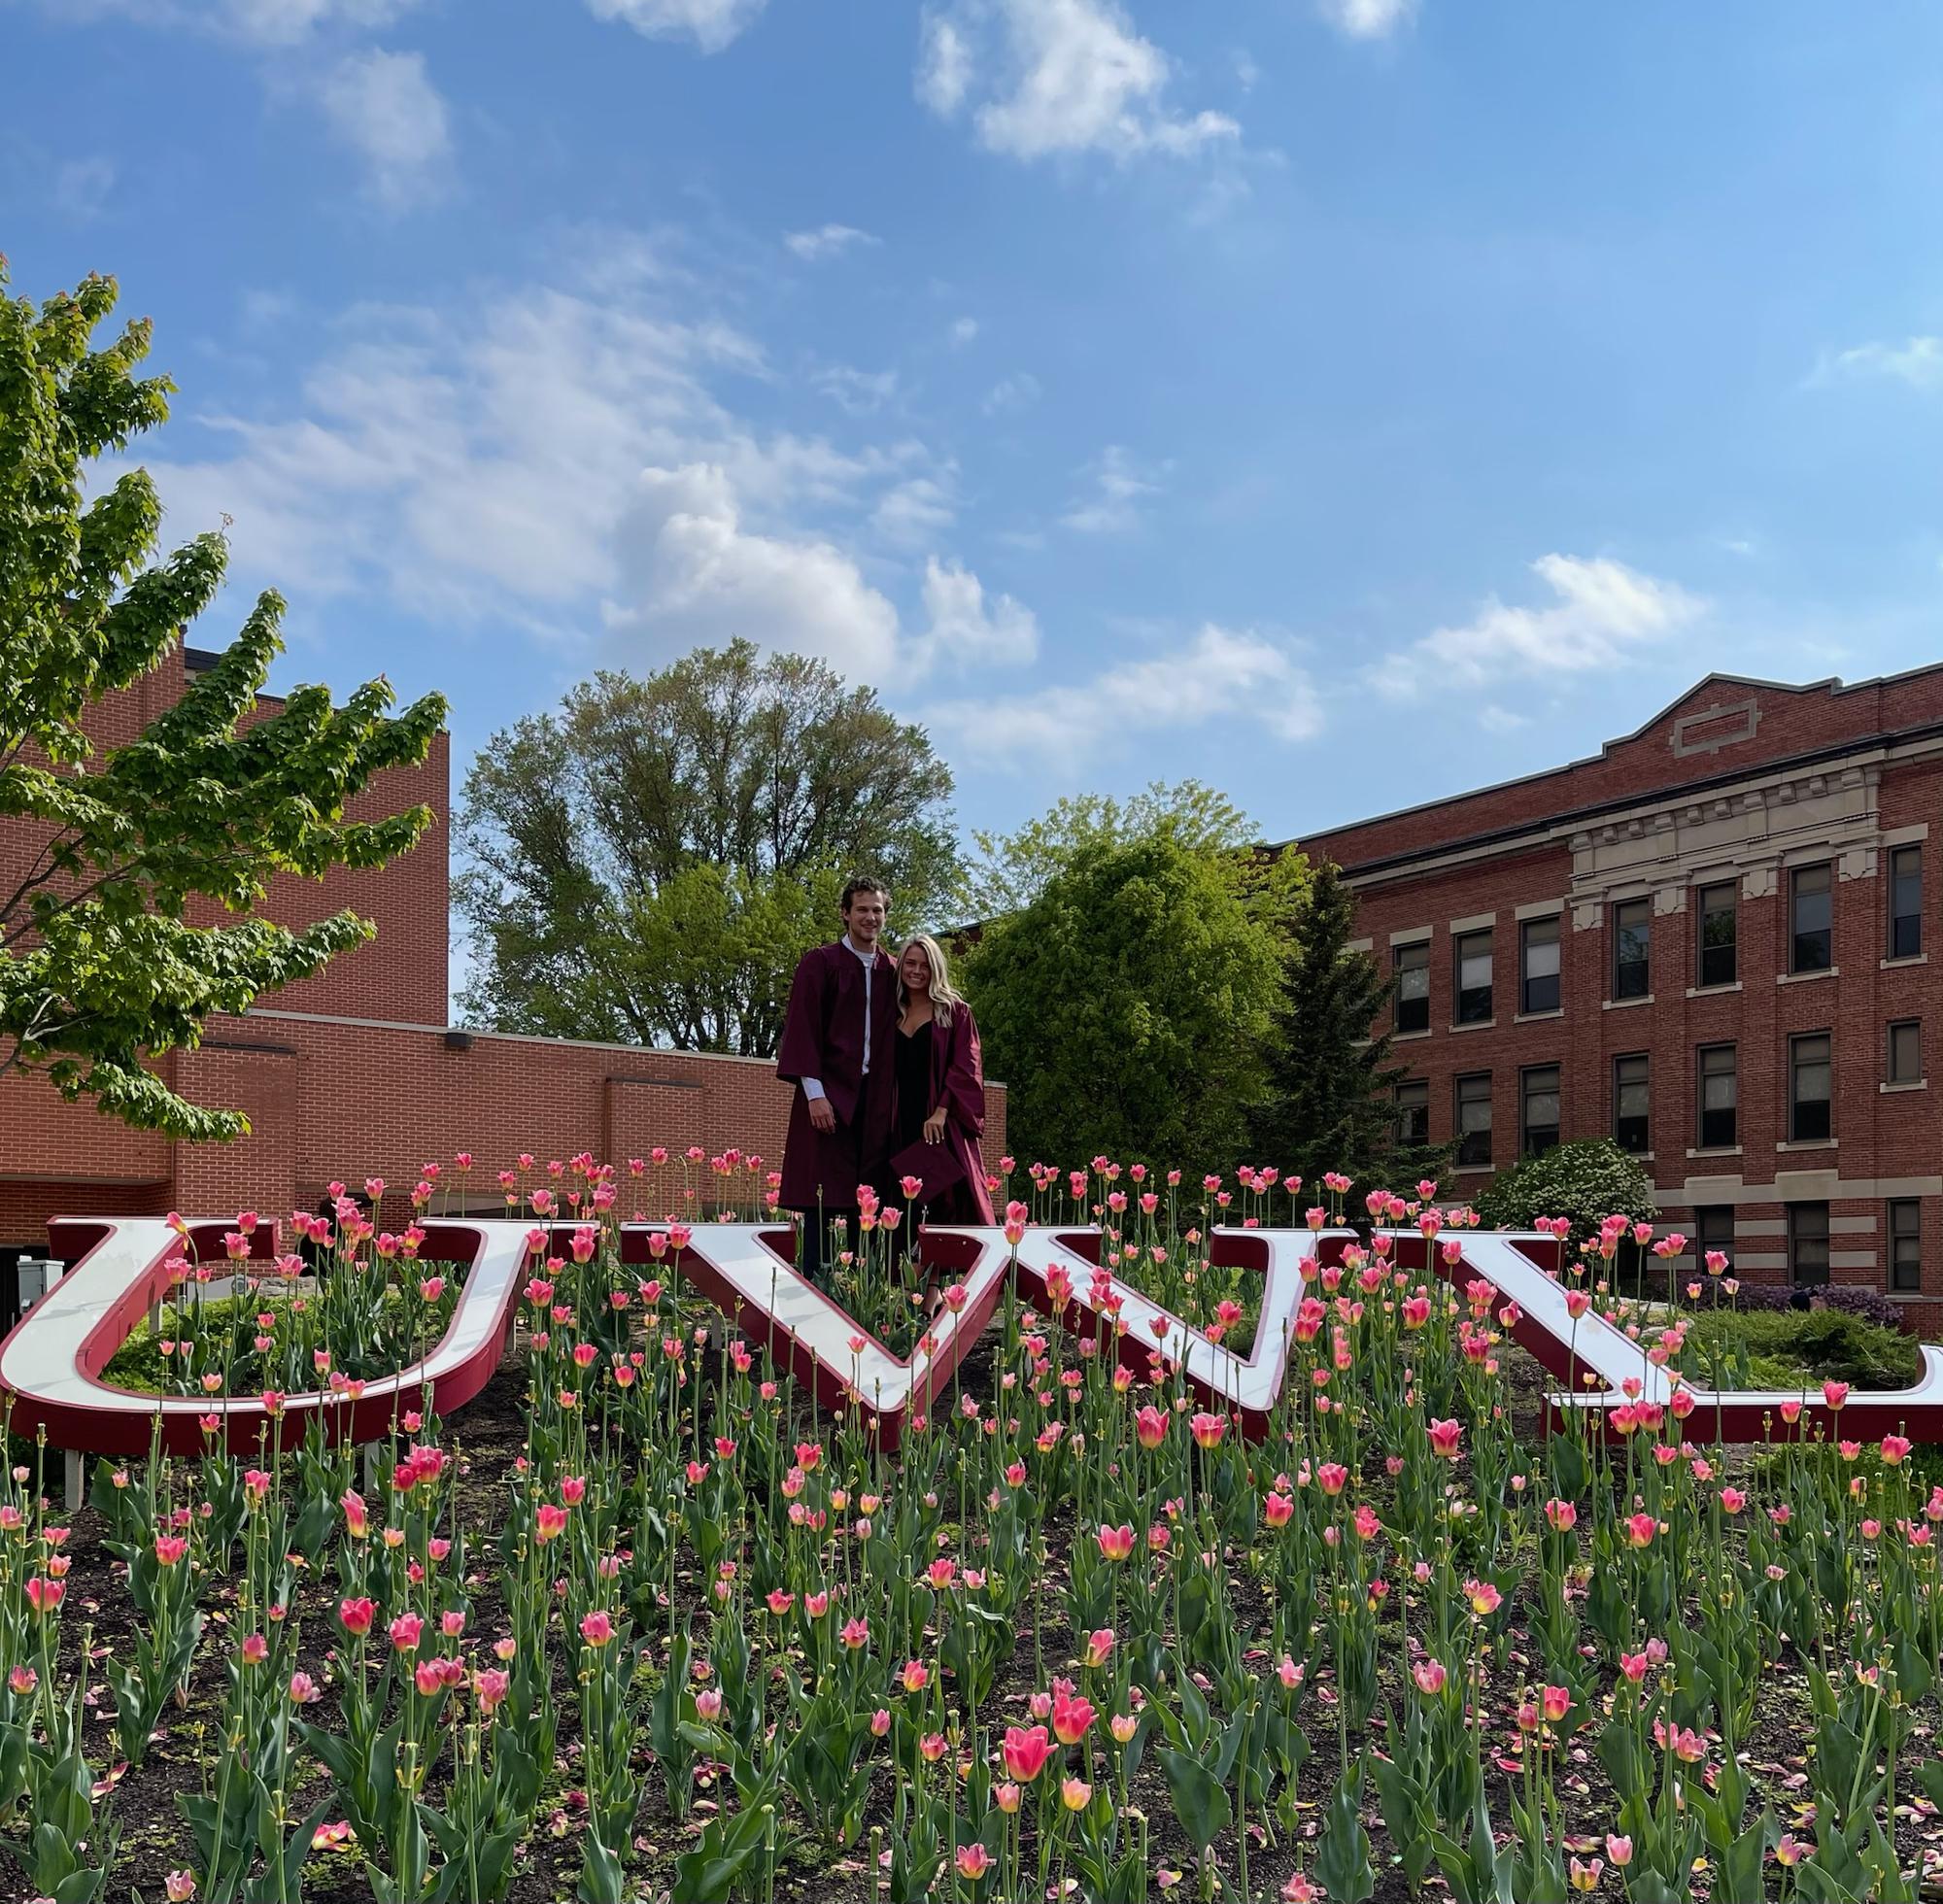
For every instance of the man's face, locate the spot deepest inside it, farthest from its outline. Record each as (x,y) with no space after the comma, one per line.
(864,920)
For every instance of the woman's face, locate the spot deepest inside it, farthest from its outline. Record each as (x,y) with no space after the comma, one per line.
(914,968)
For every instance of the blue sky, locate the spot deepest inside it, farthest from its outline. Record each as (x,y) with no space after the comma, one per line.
(1343,401)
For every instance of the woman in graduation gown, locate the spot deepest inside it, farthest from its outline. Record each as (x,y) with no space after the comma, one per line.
(940,1082)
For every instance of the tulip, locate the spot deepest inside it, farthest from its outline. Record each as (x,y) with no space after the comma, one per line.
(357,1616)
(1075,1794)
(1116,1542)
(974,1861)
(1024,1753)
(1430,1676)
(597,1629)
(1619,1850)
(1445,1437)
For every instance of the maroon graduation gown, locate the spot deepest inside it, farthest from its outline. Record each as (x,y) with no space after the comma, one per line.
(958,1083)
(822,1038)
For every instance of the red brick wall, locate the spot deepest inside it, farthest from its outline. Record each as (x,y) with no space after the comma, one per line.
(1884,1143)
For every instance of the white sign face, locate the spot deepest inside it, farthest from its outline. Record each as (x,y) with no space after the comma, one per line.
(51,1362)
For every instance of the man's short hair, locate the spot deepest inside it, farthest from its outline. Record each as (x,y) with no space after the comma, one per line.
(865,883)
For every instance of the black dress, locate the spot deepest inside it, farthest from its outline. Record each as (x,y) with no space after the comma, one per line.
(914,1079)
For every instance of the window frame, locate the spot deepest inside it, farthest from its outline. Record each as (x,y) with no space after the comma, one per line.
(1458,1129)
(1890,1075)
(1893,1276)
(1551,921)
(1702,981)
(1913,949)
(1620,1084)
(1527,1075)
(1703,1242)
(1641,987)
(1417,952)
(1798,1130)
(1732,1111)
(1466,1007)
(1796,937)
(1801,1238)
(1398,1109)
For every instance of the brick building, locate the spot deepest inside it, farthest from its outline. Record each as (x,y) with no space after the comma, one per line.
(1716,941)
(355,1073)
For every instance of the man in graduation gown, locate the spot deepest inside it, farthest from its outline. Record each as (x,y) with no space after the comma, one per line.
(836,1049)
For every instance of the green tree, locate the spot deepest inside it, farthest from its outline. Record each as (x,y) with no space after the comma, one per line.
(100,972)
(1586,1179)
(1332,1078)
(1126,1008)
(648,863)
(1012,869)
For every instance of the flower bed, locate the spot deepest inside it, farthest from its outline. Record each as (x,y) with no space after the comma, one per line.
(648,1621)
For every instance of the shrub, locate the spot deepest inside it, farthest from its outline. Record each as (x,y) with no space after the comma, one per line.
(1825,1344)
(1854,1298)
(1586,1180)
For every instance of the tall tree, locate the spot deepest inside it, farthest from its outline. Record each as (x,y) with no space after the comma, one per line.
(1012,869)
(648,863)
(1127,1007)
(100,972)
(1331,1084)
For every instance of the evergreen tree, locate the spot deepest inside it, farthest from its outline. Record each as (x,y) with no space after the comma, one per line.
(1330,1103)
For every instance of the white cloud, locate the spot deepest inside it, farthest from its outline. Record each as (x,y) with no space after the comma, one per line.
(1116,486)
(383,107)
(710,24)
(1011,395)
(561,461)
(1057,75)
(915,511)
(964,330)
(1917,361)
(944,66)
(859,392)
(965,632)
(261,22)
(1237,675)
(826,241)
(1368,19)
(1604,613)
(697,574)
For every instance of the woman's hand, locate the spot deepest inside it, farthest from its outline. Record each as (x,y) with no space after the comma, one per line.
(934,1126)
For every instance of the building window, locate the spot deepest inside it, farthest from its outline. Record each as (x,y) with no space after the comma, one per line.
(1474,1118)
(1905,1051)
(1808,1242)
(1811,916)
(1629,1104)
(1633,936)
(1714,1229)
(1809,1073)
(1719,922)
(1905,901)
(1473,977)
(1412,963)
(1905,1244)
(1540,1086)
(1413,1111)
(1541,964)
(1720,1097)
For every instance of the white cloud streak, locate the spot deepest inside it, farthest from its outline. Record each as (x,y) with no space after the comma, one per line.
(1603,615)
(712,24)
(389,113)
(1218,676)
(826,241)
(1917,361)
(1047,78)
(1117,485)
(1368,19)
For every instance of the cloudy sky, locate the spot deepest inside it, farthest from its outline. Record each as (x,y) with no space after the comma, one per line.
(1343,401)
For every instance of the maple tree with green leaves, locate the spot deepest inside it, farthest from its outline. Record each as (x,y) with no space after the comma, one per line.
(101,969)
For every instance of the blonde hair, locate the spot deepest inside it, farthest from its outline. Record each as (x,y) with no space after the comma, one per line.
(943,1000)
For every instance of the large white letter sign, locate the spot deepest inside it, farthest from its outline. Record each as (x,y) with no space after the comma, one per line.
(1591,1347)
(1247,1387)
(51,1364)
(745,1269)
